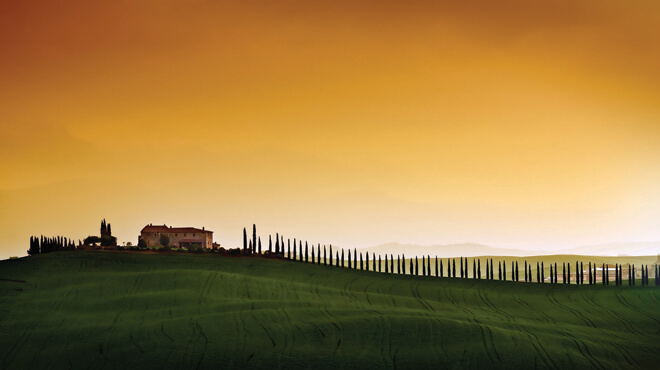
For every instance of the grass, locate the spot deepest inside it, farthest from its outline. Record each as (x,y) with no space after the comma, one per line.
(132,310)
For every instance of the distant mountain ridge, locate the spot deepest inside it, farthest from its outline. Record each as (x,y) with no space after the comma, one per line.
(474,250)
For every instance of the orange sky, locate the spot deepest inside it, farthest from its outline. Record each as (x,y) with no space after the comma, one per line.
(530,124)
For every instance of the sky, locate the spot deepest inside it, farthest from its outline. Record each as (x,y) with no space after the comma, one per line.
(512,123)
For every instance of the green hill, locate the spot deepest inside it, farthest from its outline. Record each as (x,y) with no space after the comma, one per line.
(133,310)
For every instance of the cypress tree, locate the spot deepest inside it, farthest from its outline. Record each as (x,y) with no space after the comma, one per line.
(391,263)
(441,269)
(423,267)
(355,258)
(504,270)
(361,262)
(342,257)
(581,274)
(387,269)
(259,245)
(525,270)
(552,280)
(437,272)
(479,269)
(448,267)
(349,259)
(312,254)
(454,267)
(416,266)
(380,264)
(398,264)
(302,256)
(499,270)
(251,248)
(288,249)
(590,273)
(366,263)
(318,250)
(270,244)
(474,268)
(306,253)
(244,239)
(629,275)
(461,263)
(466,267)
(403,263)
(337,259)
(330,255)
(254,236)
(538,273)
(277,243)
(517,272)
(294,250)
(542,272)
(603,275)
(568,273)
(374,259)
(563,270)
(487,270)
(616,274)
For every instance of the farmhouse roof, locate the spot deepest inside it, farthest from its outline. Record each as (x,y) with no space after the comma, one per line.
(170,229)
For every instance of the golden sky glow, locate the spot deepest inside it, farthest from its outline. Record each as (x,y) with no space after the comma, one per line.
(531,124)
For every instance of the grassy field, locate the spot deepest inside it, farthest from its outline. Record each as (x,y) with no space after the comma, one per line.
(133,310)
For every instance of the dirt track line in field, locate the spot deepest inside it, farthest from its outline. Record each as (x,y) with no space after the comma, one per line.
(626,303)
(613,314)
(13,281)
(552,299)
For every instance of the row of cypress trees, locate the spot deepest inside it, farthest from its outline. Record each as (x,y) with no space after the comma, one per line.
(42,244)
(397,265)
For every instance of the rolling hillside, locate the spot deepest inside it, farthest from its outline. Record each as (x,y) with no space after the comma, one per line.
(132,310)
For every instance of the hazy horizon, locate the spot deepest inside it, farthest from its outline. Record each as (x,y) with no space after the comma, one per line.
(508,123)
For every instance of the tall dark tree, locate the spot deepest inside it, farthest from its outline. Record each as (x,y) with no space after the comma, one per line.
(416,266)
(342,257)
(499,270)
(294,250)
(563,270)
(629,275)
(254,237)
(479,269)
(361,262)
(590,273)
(330,255)
(270,244)
(403,264)
(374,259)
(437,271)
(538,272)
(325,255)
(366,260)
(250,246)
(349,258)
(337,259)
(552,277)
(517,275)
(245,243)
(568,273)
(306,253)
(441,269)
(354,258)
(259,245)
(277,243)
(313,255)
(466,267)
(318,250)
(380,264)
(491,269)
(581,274)
(461,263)
(474,268)
(288,249)
(391,263)
(398,264)
(302,256)
(504,270)
(423,266)
(449,268)
(487,270)
(453,268)
(387,267)
(282,244)
(525,270)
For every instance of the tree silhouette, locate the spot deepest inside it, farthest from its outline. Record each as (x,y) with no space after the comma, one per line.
(349,258)
(259,245)
(164,240)
(437,272)
(244,239)
(453,267)
(391,263)
(517,276)
(254,237)
(366,260)
(342,257)
(387,268)
(403,263)
(306,255)
(479,269)
(361,262)
(474,268)
(461,263)
(325,256)
(277,243)
(312,254)
(330,255)
(441,268)
(270,244)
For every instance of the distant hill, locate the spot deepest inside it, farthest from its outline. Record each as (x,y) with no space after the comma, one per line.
(474,250)
(449,250)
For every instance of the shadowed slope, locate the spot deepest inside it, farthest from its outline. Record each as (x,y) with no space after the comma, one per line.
(95,309)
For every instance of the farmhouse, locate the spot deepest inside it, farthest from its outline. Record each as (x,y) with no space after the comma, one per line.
(182,237)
